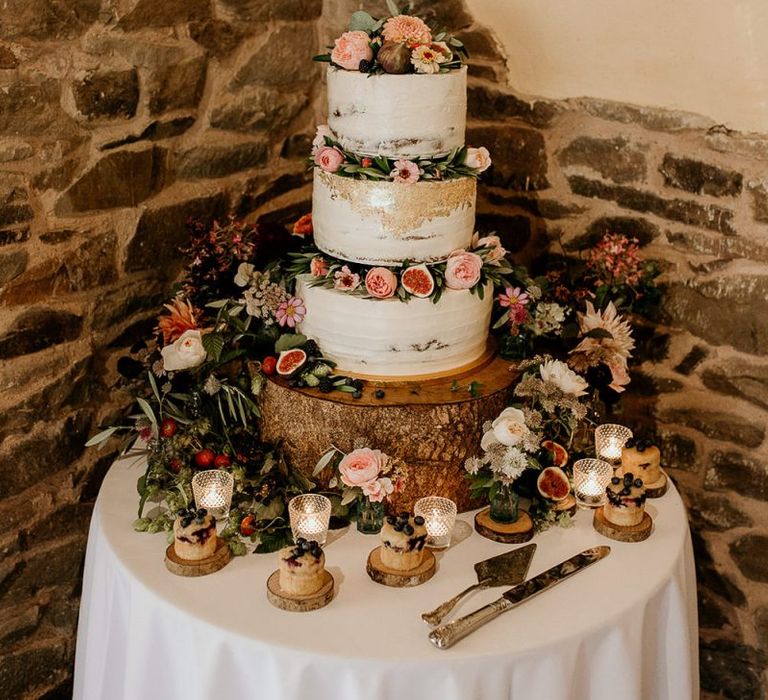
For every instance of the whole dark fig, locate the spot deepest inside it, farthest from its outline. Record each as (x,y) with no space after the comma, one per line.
(394,57)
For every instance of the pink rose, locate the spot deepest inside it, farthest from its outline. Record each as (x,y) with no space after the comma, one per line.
(462,269)
(361,467)
(381,282)
(351,48)
(478,158)
(318,266)
(378,490)
(329,159)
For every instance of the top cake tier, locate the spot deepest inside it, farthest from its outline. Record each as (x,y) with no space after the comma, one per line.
(398,116)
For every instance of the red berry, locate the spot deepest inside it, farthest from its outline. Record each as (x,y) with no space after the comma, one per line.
(269,364)
(205,458)
(175,465)
(248,525)
(168,427)
(222,461)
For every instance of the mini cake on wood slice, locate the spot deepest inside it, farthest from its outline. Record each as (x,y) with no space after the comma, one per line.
(194,533)
(302,568)
(625,500)
(643,459)
(402,542)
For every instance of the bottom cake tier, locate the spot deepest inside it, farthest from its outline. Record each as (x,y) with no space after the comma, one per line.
(433,426)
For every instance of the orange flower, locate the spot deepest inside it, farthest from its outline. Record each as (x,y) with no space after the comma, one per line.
(182,317)
(303,227)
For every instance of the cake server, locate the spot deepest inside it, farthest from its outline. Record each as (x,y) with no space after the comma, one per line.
(501,570)
(447,635)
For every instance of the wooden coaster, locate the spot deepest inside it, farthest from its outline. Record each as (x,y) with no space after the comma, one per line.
(631,533)
(509,533)
(299,603)
(567,505)
(202,567)
(400,579)
(658,488)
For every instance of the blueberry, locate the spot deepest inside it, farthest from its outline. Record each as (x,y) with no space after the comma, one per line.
(625,491)
(379,393)
(630,443)
(311,348)
(357,383)
(326,385)
(615,480)
(316,552)
(202,512)
(641,448)
(301,541)
(408,529)
(357,394)
(391,519)
(418,520)
(638,483)
(398,527)
(180,512)
(404,515)
(628,478)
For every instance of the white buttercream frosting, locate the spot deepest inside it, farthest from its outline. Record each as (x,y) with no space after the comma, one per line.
(399,116)
(389,337)
(385,223)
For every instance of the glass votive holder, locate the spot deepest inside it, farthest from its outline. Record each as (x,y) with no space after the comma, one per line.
(590,478)
(310,515)
(610,438)
(439,518)
(212,490)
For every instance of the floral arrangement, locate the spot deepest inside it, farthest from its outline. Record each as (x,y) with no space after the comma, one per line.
(331,157)
(398,44)
(471,269)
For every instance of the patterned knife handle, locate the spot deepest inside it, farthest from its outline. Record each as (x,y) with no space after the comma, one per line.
(436,616)
(447,635)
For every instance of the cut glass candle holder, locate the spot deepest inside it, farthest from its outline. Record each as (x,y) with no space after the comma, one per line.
(310,515)
(590,478)
(212,490)
(439,518)
(610,438)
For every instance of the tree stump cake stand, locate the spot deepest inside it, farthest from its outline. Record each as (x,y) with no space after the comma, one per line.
(521,530)
(400,579)
(200,567)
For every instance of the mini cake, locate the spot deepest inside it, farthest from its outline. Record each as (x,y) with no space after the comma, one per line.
(302,567)
(194,533)
(403,538)
(642,458)
(625,503)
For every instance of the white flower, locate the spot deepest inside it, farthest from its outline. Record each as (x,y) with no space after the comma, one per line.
(478,158)
(185,353)
(510,428)
(472,465)
(533,291)
(563,377)
(427,58)
(620,344)
(547,318)
(244,274)
(323,130)
(212,385)
(513,463)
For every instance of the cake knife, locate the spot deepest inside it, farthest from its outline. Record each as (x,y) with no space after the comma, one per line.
(447,635)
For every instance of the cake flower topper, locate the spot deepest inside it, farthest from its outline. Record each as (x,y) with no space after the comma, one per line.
(397,44)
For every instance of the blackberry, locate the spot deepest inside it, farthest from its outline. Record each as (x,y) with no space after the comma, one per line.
(379,393)
(325,385)
(365,66)
(311,348)
(357,383)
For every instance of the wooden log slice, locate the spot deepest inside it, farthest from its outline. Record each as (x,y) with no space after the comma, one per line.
(299,603)
(432,425)
(509,533)
(658,488)
(201,567)
(400,579)
(567,505)
(620,533)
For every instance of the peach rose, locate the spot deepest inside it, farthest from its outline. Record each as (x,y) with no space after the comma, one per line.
(318,266)
(381,282)
(462,269)
(361,467)
(329,159)
(496,252)
(478,158)
(351,48)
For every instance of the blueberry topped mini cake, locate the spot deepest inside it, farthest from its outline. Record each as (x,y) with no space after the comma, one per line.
(642,458)
(302,567)
(625,503)
(194,533)
(403,538)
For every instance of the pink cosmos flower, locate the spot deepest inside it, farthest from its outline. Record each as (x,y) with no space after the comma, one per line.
(381,282)
(329,158)
(405,29)
(346,280)
(462,269)
(513,297)
(318,266)
(291,312)
(405,172)
(351,48)
(361,467)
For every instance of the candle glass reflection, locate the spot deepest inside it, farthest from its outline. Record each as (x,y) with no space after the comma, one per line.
(610,438)
(590,478)
(439,518)
(310,515)
(212,490)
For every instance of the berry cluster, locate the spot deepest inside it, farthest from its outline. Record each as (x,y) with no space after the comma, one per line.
(304,546)
(640,444)
(190,515)
(401,523)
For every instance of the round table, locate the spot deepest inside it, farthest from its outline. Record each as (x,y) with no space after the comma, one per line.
(626,627)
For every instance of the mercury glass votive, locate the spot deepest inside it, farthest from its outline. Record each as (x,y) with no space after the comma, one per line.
(610,438)
(212,490)
(439,518)
(310,515)
(590,478)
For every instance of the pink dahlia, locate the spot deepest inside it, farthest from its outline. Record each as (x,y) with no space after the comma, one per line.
(291,312)
(346,280)
(405,172)
(404,29)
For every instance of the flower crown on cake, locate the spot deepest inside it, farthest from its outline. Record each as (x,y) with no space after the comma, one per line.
(398,44)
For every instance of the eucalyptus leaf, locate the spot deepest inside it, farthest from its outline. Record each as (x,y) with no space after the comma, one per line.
(323,462)
(348,497)
(361,21)
(394,10)
(288,341)
(148,412)
(102,437)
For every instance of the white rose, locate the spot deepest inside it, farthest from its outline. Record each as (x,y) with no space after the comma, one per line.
(185,353)
(563,377)
(244,274)
(510,428)
(478,158)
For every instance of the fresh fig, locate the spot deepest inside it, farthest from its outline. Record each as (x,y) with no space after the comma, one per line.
(394,57)
(290,362)
(553,484)
(418,280)
(557,452)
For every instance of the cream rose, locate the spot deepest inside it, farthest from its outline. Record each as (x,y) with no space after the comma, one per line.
(478,158)
(462,269)
(563,377)
(185,353)
(510,428)
(381,282)
(497,251)
(351,48)
(329,159)
(360,467)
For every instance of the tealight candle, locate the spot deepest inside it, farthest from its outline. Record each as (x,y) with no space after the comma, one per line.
(610,439)
(212,490)
(590,478)
(439,518)
(310,515)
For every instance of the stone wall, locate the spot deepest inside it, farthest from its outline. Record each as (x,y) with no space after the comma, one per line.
(119,119)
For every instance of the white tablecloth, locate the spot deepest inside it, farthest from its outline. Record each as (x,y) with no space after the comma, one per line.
(624,629)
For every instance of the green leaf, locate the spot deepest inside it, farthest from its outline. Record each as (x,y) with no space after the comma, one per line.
(394,10)
(323,462)
(153,384)
(349,496)
(149,413)
(288,341)
(103,436)
(213,344)
(141,487)
(503,319)
(598,333)
(323,57)
(361,21)
(217,304)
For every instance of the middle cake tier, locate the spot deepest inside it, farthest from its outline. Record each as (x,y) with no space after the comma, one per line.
(393,338)
(377,222)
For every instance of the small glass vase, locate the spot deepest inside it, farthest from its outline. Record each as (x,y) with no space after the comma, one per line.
(504,505)
(518,347)
(370,516)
